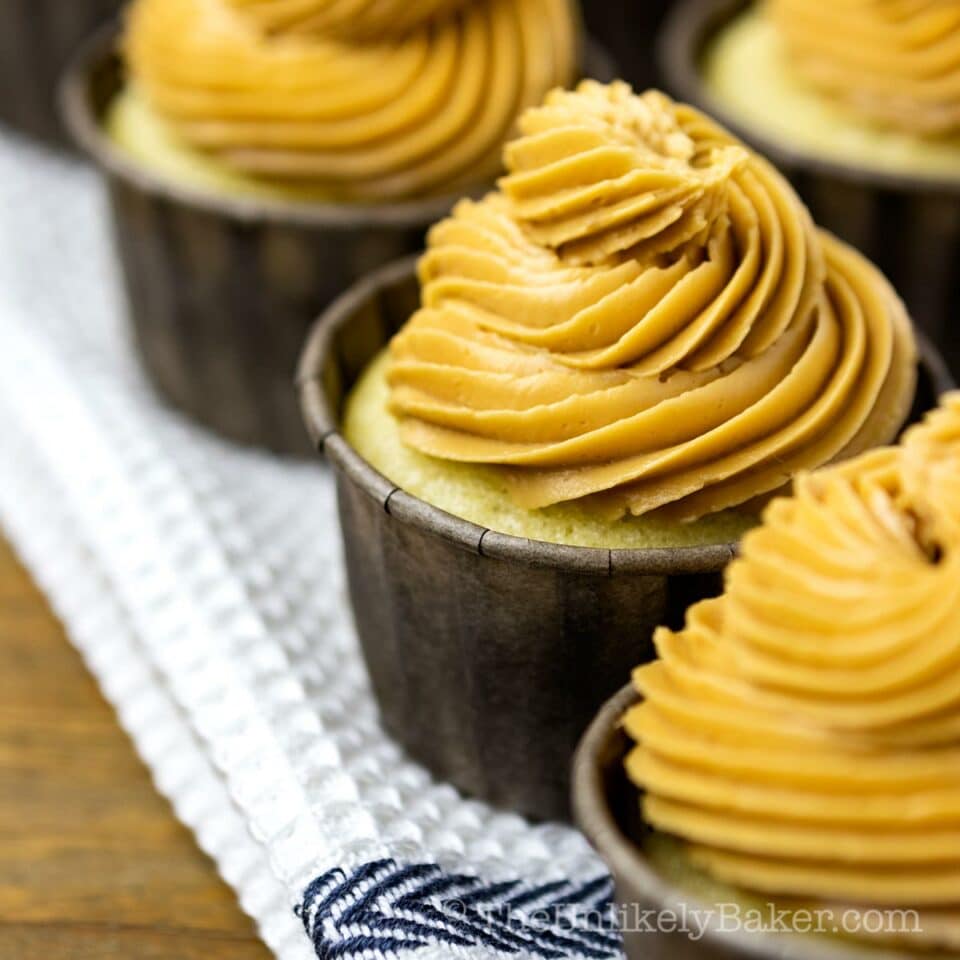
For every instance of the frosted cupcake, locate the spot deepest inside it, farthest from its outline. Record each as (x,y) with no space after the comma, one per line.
(616,357)
(643,322)
(859,102)
(797,738)
(263,155)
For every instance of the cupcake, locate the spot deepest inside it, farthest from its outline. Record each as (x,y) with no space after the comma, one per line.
(797,739)
(262,155)
(617,356)
(859,103)
(36,40)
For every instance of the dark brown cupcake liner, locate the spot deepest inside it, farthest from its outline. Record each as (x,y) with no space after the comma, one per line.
(629,31)
(488,653)
(909,226)
(222,291)
(607,809)
(37,38)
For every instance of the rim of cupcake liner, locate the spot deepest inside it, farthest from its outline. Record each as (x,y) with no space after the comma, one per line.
(95,74)
(322,419)
(688,29)
(600,790)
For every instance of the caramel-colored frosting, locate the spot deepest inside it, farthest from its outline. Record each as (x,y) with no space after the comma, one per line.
(644,317)
(360,20)
(361,99)
(802,732)
(932,470)
(896,61)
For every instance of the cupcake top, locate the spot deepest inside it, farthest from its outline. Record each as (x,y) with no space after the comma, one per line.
(802,732)
(362,100)
(894,61)
(643,317)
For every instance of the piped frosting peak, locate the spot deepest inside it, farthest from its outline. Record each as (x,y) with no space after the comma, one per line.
(644,317)
(601,172)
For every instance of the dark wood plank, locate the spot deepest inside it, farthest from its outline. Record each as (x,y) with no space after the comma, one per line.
(93,863)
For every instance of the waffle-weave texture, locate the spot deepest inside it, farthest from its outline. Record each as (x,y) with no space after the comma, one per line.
(204,587)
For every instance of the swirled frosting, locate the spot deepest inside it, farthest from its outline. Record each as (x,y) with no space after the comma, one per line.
(359,99)
(895,61)
(359,20)
(932,470)
(802,732)
(644,317)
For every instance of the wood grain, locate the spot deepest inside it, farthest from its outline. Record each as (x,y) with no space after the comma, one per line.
(93,863)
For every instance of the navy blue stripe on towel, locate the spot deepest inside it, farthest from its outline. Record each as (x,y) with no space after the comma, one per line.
(384,908)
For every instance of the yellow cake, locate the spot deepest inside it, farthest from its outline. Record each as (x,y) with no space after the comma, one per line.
(639,332)
(846,81)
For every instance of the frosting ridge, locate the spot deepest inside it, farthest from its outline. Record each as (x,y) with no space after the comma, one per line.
(359,20)
(644,317)
(932,469)
(359,99)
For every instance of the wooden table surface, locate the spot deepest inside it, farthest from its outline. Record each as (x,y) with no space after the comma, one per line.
(93,863)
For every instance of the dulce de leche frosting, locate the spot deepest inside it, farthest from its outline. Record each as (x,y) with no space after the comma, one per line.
(895,61)
(358,20)
(362,99)
(644,317)
(802,732)
(932,470)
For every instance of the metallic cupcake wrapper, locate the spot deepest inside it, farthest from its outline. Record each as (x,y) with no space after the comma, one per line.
(909,226)
(488,653)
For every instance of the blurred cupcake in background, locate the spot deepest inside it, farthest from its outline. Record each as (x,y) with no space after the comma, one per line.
(872,84)
(365,102)
(264,154)
(37,39)
(859,102)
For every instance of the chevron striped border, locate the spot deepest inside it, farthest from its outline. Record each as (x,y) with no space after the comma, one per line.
(384,909)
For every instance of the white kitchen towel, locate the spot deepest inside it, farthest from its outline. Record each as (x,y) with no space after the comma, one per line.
(204,587)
